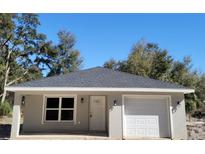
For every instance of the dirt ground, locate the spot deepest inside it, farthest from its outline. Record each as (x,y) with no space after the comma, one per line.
(196,129)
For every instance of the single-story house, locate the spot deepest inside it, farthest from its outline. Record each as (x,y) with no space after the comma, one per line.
(101,100)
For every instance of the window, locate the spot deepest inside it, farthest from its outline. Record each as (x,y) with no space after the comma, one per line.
(67,108)
(59,109)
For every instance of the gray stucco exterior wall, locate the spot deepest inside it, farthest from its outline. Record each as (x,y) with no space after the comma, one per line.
(33,122)
(33,111)
(16,116)
(179,117)
(115,116)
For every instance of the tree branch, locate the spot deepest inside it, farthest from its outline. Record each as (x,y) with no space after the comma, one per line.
(6,41)
(48,66)
(17,79)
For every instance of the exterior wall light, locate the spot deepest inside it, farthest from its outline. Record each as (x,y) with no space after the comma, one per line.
(115,102)
(82,100)
(178,103)
(23,100)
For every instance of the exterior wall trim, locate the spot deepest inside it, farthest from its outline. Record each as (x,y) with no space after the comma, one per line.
(169,104)
(63,89)
(171,117)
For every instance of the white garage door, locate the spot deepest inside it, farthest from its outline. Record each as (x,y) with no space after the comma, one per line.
(146,117)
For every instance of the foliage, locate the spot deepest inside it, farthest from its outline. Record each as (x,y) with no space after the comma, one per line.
(5,108)
(149,60)
(190,106)
(65,58)
(145,59)
(139,60)
(111,64)
(161,65)
(19,42)
(200,89)
(26,54)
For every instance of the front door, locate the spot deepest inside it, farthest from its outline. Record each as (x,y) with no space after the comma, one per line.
(97,113)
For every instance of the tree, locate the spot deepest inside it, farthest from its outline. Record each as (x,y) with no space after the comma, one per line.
(26,54)
(161,64)
(149,60)
(181,73)
(111,64)
(145,59)
(19,43)
(61,58)
(200,91)
(140,60)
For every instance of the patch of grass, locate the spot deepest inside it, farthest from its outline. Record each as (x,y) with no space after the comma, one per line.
(5,108)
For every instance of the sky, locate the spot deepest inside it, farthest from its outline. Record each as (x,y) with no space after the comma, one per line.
(101,37)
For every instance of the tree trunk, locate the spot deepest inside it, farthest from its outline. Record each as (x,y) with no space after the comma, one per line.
(5,84)
(3,96)
(189,117)
(6,77)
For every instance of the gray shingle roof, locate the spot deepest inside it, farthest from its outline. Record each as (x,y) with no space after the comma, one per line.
(99,77)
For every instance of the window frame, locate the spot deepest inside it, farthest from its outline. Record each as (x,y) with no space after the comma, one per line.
(59,107)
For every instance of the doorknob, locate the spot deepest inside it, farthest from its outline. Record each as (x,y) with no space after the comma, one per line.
(90,115)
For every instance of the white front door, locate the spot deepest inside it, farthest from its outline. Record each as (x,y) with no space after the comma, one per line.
(97,113)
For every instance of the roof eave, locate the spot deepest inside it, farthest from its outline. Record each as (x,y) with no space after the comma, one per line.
(21,89)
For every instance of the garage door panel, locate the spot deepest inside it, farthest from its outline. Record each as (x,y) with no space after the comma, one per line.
(142,132)
(143,126)
(131,131)
(146,117)
(142,120)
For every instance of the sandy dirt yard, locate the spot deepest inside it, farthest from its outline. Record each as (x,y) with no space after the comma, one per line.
(196,129)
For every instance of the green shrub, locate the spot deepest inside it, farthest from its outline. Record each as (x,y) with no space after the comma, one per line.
(5,108)
(190,106)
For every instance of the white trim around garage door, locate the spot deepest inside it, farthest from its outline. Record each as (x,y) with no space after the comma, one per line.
(169,106)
